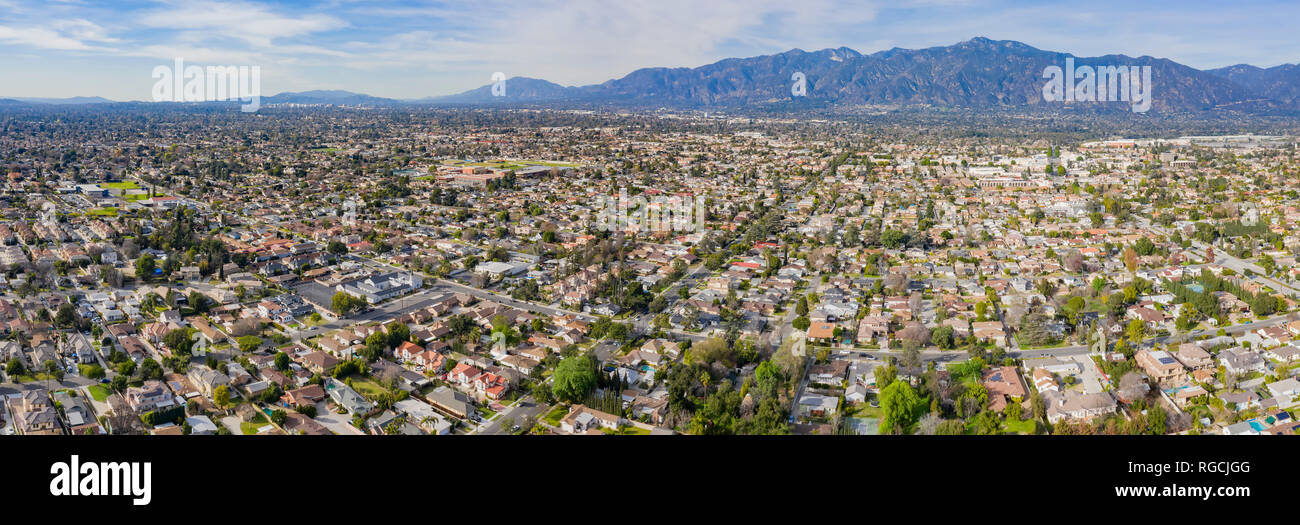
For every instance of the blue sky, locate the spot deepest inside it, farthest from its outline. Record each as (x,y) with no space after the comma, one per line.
(59,48)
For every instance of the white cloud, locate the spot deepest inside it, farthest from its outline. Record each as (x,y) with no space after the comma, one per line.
(46,38)
(252,23)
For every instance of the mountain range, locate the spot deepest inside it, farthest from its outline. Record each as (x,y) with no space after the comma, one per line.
(978,73)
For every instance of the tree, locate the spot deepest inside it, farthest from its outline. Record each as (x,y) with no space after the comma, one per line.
(144,267)
(179,341)
(281,361)
(92,371)
(950,427)
(375,345)
(574,378)
(892,239)
(885,375)
(899,405)
(1188,318)
(398,333)
(1132,387)
(1157,420)
(1136,330)
(713,350)
(942,337)
(344,303)
(1130,259)
(198,301)
(801,323)
(1267,262)
(221,395)
(15,367)
(64,317)
(1034,330)
(150,369)
(916,335)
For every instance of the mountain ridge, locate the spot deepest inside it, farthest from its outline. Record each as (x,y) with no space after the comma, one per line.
(979,72)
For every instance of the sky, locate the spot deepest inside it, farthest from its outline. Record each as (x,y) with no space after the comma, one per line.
(414,49)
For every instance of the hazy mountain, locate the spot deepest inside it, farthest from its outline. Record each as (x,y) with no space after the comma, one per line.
(978,73)
(335,97)
(517,89)
(69,100)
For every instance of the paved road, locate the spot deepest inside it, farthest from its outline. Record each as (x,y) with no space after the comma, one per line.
(522,408)
(69,381)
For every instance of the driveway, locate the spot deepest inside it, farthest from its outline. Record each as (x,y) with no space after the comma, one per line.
(232,424)
(337,423)
(1091,377)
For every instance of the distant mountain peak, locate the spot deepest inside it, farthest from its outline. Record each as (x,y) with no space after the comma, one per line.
(67,100)
(978,73)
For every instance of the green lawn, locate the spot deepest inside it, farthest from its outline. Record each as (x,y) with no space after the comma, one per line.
(126,185)
(251,428)
(103,212)
(98,392)
(862,410)
(627,431)
(1019,427)
(30,378)
(368,388)
(555,415)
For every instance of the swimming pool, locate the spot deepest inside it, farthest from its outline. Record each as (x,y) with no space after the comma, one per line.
(1259,427)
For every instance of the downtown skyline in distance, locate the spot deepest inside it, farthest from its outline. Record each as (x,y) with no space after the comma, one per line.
(411,50)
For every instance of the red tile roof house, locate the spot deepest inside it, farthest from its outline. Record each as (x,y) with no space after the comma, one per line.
(821,331)
(428,359)
(491,385)
(307,395)
(407,351)
(1002,383)
(463,374)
